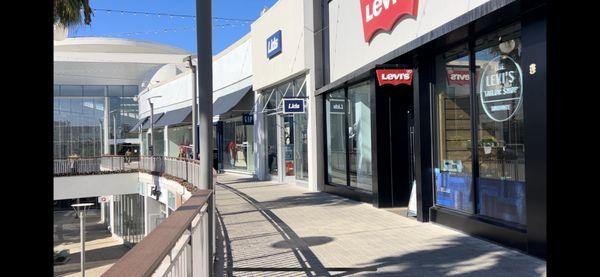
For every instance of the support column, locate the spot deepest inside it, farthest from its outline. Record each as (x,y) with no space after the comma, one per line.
(146,212)
(105,124)
(166,139)
(260,139)
(205,108)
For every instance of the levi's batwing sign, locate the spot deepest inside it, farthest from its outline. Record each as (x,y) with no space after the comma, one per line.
(394,76)
(383,14)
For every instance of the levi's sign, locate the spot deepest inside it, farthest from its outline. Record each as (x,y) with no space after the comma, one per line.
(394,76)
(458,77)
(293,105)
(383,14)
(274,45)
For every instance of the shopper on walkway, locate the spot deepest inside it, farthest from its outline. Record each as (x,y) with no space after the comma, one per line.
(128,157)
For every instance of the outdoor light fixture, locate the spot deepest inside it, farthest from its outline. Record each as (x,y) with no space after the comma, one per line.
(507,46)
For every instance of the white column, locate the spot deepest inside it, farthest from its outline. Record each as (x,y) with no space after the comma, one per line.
(112,215)
(106,123)
(102,212)
(146,212)
(260,138)
(314,161)
(166,143)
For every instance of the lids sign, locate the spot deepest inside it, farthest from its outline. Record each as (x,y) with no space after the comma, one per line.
(394,76)
(501,88)
(383,14)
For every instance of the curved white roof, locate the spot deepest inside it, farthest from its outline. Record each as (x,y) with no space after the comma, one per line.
(114,45)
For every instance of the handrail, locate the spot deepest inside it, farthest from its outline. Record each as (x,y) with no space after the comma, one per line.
(146,257)
(179,246)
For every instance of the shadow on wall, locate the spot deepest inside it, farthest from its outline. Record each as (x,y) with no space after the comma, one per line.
(462,256)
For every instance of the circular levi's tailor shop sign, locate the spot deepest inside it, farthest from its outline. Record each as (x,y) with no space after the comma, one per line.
(501,88)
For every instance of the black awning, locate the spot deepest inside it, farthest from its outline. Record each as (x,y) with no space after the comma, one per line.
(156,118)
(135,127)
(226,102)
(174,117)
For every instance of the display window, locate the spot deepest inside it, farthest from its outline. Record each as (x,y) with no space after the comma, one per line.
(479,165)
(348,137)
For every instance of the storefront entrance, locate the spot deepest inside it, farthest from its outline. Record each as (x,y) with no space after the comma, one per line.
(394,135)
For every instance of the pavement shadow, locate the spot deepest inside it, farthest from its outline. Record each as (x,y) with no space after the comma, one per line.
(308,262)
(462,256)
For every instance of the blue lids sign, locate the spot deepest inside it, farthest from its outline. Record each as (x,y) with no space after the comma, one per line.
(293,105)
(274,45)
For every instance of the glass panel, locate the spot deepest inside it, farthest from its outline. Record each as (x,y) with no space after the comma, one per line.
(359,136)
(93,91)
(130,91)
(288,144)
(500,145)
(115,91)
(180,141)
(235,145)
(159,141)
(453,164)
(249,145)
(56,90)
(271,126)
(71,90)
(78,126)
(335,114)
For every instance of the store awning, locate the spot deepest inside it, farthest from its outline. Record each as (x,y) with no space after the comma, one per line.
(225,103)
(135,127)
(174,117)
(157,117)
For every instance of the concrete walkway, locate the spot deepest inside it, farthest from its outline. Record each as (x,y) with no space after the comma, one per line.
(102,251)
(272,229)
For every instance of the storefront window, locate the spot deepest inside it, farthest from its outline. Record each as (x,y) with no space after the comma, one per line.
(180,140)
(492,91)
(500,143)
(453,164)
(159,141)
(359,136)
(335,116)
(237,144)
(129,217)
(271,128)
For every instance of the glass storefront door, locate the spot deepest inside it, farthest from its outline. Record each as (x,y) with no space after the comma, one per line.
(286,145)
(271,128)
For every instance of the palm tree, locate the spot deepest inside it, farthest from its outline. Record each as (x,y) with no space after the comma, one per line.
(68,12)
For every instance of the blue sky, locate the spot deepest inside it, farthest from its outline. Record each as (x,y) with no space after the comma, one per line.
(180,31)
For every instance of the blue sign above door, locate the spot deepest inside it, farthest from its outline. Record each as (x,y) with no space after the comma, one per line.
(274,45)
(248,119)
(293,105)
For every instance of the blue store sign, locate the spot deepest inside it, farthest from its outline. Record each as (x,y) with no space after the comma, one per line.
(274,45)
(248,119)
(293,105)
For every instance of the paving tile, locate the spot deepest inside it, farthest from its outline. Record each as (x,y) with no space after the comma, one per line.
(272,225)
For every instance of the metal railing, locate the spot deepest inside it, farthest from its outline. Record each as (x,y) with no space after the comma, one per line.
(112,163)
(89,165)
(186,169)
(77,166)
(179,246)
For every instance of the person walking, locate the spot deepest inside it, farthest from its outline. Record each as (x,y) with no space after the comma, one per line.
(128,156)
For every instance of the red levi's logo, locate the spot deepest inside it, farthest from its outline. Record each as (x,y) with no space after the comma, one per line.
(394,76)
(383,14)
(458,77)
